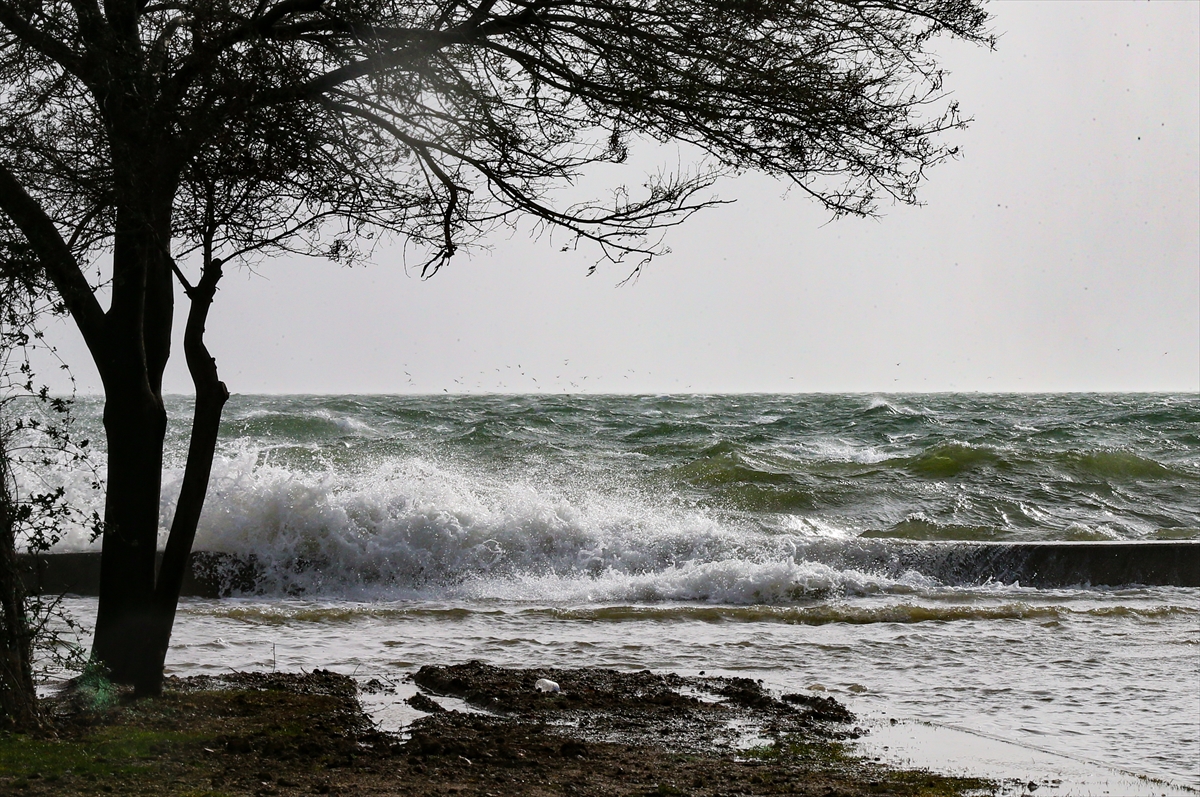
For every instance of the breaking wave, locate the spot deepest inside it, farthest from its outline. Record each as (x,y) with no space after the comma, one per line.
(720,500)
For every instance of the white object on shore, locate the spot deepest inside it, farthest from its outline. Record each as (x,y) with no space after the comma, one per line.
(546,685)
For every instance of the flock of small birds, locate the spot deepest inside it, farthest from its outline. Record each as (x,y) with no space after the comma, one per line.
(509,372)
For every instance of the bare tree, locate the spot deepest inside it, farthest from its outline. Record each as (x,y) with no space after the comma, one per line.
(148,135)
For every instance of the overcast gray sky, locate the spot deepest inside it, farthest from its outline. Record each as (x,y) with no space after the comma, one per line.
(1061,252)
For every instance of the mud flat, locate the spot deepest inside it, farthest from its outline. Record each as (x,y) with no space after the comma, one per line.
(602,733)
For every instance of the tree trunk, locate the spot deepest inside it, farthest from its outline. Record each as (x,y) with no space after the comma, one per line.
(136,427)
(211,395)
(18,696)
(135,352)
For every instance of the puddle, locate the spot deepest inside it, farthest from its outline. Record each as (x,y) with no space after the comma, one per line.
(390,711)
(745,735)
(1022,770)
(705,696)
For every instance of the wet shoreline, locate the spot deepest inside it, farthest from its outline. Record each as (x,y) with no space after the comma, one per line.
(600,733)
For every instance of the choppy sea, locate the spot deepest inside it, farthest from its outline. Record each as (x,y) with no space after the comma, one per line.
(745,535)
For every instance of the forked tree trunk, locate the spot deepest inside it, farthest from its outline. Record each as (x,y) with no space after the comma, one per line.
(137,606)
(211,395)
(131,363)
(130,343)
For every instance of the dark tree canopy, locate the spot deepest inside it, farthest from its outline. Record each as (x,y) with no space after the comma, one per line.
(302,124)
(136,132)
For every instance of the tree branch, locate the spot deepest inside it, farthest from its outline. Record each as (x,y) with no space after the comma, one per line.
(56,259)
(448,246)
(48,46)
(475,29)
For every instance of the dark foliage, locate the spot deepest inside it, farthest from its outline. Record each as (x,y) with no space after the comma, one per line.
(36,436)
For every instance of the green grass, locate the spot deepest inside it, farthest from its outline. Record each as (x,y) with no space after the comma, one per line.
(107,752)
(120,742)
(801,749)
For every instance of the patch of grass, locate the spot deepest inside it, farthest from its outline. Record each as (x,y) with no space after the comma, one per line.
(94,689)
(109,751)
(802,749)
(178,744)
(930,784)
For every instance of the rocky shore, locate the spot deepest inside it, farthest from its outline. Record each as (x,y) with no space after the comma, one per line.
(487,731)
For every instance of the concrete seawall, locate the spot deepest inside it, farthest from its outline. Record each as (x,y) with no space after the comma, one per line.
(209,575)
(1060,564)
(1035,564)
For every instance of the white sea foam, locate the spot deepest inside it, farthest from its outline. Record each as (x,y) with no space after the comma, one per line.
(412,527)
(729,582)
(347,423)
(892,405)
(817,528)
(413,522)
(839,449)
(416,527)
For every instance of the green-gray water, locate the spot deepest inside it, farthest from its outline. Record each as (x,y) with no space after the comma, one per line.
(724,533)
